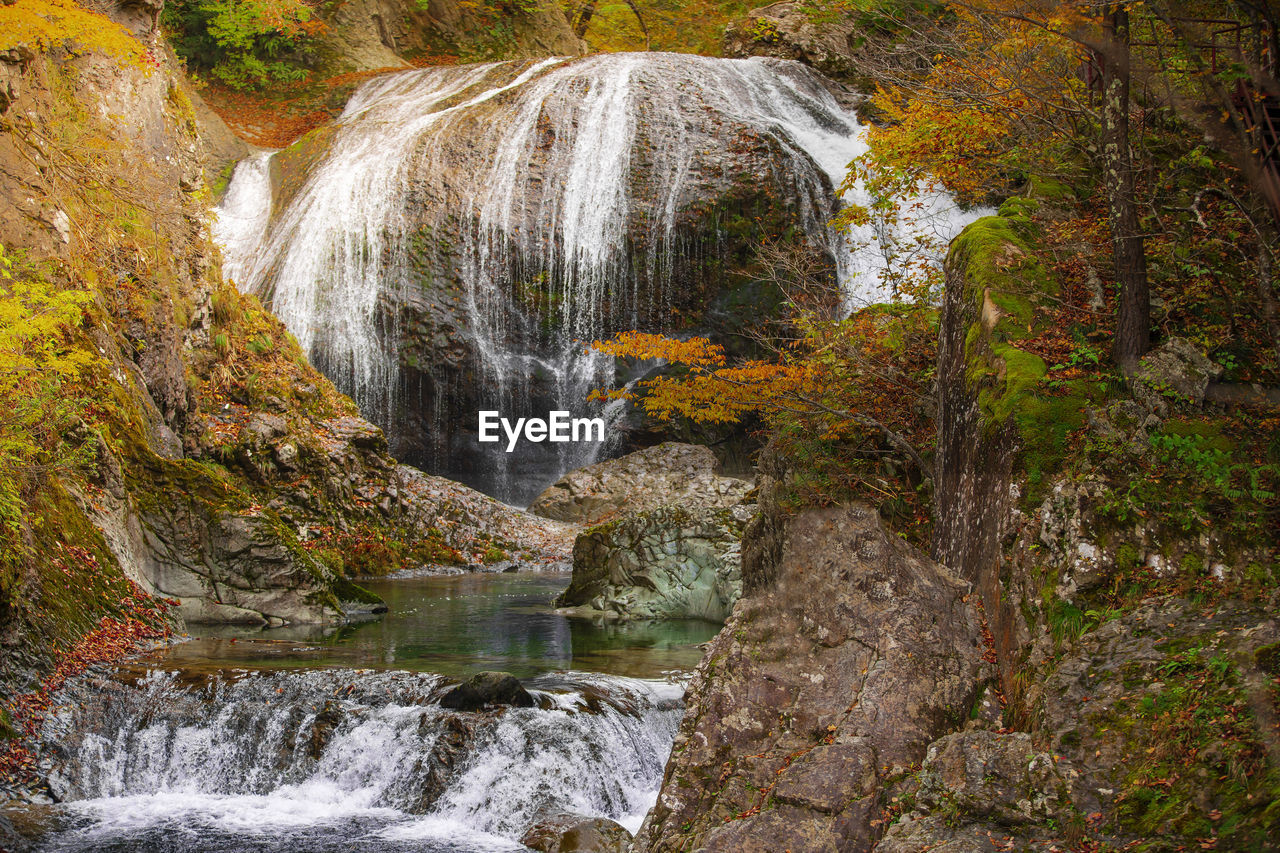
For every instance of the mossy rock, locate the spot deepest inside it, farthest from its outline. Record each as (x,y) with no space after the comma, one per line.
(1268,659)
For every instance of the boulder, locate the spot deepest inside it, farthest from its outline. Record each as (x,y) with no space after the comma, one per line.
(1002,778)
(499,282)
(572,833)
(454,739)
(239,567)
(486,689)
(1176,369)
(822,688)
(666,474)
(666,563)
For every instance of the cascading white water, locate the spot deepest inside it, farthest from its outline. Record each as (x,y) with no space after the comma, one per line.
(356,759)
(560,192)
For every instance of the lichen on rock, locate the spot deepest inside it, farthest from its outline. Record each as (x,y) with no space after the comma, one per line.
(821,689)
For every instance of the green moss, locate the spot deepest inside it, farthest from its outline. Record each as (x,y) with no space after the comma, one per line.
(1207,429)
(345,590)
(1050,190)
(220,183)
(1268,659)
(7,731)
(1045,427)
(1022,374)
(1193,764)
(995,256)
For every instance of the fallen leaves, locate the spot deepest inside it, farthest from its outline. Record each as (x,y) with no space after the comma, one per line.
(111,641)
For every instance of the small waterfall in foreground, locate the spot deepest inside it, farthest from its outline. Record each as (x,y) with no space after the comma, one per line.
(343,759)
(526,208)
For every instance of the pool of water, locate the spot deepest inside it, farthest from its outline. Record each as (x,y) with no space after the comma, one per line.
(457,626)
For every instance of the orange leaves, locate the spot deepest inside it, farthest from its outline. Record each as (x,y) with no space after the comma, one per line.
(1003,97)
(706,391)
(694,352)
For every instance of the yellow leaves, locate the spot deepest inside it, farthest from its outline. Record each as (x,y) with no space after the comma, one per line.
(45,24)
(695,352)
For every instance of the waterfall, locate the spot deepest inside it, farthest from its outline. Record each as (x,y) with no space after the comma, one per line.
(353,757)
(528,208)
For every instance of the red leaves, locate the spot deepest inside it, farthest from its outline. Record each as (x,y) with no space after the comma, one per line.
(112,640)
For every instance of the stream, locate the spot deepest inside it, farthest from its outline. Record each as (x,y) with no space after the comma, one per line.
(307,741)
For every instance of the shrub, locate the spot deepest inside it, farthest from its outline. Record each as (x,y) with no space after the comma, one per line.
(246,44)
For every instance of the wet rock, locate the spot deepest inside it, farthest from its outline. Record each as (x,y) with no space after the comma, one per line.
(571,833)
(485,690)
(10,841)
(322,729)
(453,740)
(666,474)
(822,687)
(23,825)
(666,563)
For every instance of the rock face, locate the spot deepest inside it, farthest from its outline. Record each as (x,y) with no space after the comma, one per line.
(821,689)
(486,689)
(571,833)
(665,563)
(1177,368)
(789,30)
(663,475)
(1113,753)
(370,35)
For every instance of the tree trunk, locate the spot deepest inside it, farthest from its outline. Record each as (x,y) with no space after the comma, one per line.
(1133,322)
(588,9)
(585,12)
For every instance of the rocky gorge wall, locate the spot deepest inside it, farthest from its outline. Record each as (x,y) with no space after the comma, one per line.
(1118,671)
(221,474)
(821,693)
(374,35)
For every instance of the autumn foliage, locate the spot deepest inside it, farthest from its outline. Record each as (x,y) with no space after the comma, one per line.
(111,641)
(65,24)
(838,398)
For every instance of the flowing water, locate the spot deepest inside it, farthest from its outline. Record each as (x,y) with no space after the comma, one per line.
(500,203)
(556,196)
(339,743)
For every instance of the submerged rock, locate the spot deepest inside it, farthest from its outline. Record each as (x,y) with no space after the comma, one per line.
(823,687)
(666,563)
(666,474)
(486,689)
(572,833)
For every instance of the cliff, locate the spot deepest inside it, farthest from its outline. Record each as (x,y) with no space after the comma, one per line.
(172,456)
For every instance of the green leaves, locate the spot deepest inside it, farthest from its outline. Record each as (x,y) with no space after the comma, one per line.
(247,44)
